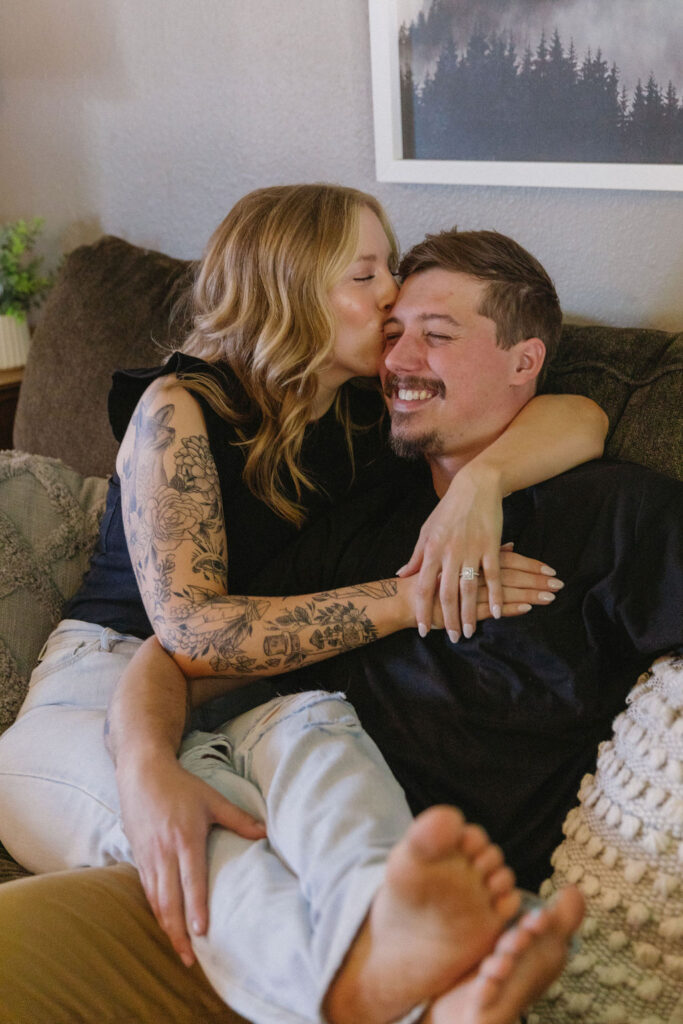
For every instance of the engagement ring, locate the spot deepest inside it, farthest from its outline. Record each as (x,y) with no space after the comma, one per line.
(468,572)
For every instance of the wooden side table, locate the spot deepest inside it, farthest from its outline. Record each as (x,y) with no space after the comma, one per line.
(10,382)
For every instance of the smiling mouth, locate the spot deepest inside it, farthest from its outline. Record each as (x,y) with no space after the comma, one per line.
(412,389)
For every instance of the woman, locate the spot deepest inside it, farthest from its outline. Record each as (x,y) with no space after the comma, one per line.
(288,308)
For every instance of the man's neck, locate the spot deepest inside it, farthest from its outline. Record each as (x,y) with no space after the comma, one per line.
(443,469)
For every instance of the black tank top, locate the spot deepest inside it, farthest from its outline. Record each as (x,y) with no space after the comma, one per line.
(109,593)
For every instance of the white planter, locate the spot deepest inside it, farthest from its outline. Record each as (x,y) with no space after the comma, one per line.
(14,342)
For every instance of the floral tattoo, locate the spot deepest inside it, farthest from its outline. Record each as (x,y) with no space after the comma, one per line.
(200,619)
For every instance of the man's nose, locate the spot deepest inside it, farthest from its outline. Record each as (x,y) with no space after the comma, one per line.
(404,355)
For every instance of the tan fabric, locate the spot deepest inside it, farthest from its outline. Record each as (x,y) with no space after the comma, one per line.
(82,947)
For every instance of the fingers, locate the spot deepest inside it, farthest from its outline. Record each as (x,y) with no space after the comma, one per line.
(450,597)
(530,580)
(415,560)
(425,590)
(165,895)
(194,885)
(513,560)
(509,610)
(468,597)
(230,816)
(491,566)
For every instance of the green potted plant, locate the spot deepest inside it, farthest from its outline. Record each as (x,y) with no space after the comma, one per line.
(22,285)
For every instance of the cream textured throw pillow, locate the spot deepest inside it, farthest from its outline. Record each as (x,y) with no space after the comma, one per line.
(624,849)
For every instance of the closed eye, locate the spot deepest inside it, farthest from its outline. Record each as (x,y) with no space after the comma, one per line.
(370,277)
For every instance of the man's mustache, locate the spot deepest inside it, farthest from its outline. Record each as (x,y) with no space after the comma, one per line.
(392,383)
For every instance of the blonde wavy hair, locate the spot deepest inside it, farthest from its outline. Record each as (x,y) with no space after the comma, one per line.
(260,303)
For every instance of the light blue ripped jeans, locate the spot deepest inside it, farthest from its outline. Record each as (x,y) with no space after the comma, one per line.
(283,910)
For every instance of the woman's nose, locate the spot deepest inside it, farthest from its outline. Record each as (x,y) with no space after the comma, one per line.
(389,292)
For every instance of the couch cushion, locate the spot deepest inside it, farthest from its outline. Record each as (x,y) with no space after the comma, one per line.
(110,307)
(637,378)
(49,517)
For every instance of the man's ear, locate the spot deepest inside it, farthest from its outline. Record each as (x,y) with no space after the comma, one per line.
(530,356)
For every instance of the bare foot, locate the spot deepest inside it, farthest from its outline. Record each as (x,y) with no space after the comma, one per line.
(445,900)
(525,962)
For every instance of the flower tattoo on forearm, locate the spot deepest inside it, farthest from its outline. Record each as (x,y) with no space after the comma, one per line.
(200,619)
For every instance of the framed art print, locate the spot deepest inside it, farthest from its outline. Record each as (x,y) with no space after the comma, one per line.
(557,93)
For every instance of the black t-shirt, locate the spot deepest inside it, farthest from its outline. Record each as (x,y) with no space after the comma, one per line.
(109,594)
(505,724)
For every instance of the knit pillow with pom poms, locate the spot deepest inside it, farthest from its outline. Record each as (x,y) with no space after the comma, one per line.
(624,849)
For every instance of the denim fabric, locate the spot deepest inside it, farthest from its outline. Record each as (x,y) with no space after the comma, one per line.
(283,910)
(333,812)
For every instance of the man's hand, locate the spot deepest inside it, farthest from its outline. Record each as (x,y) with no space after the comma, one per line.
(167,815)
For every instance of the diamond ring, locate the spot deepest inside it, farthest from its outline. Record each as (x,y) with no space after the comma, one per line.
(468,572)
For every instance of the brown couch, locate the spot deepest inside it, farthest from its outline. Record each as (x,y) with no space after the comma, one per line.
(116,305)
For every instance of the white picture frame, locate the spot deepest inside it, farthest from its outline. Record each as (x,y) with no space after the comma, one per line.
(392,166)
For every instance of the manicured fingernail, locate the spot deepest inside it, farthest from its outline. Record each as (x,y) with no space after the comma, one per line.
(547,571)
(523,607)
(555,584)
(196,928)
(496,611)
(508,545)
(187,959)
(422,629)
(453,636)
(399,572)
(467,630)
(544,596)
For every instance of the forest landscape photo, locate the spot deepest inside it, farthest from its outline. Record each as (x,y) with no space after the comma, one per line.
(571,81)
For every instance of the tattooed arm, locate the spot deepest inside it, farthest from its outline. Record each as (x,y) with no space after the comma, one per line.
(173,518)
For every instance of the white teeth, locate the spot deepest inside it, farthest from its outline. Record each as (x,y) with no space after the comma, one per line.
(413,396)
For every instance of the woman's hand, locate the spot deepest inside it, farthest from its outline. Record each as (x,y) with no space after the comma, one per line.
(464,530)
(524,584)
(167,815)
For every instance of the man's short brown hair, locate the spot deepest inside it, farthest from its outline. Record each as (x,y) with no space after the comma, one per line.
(520,298)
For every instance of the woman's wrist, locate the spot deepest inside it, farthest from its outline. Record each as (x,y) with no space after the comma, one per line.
(483,473)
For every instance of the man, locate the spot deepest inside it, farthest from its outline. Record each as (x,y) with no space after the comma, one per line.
(512,715)
(504,724)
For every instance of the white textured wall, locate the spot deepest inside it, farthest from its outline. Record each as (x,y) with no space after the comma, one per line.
(149,118)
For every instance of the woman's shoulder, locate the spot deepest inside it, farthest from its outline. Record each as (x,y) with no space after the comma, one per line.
(129,385)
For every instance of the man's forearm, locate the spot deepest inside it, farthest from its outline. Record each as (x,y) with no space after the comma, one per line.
(148,710)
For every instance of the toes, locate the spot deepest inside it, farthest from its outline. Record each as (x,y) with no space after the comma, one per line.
(474,841)
(508,905)
(489,860)
(437,833)
(568,910)
(498,967)
(501,882)
(514,941)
